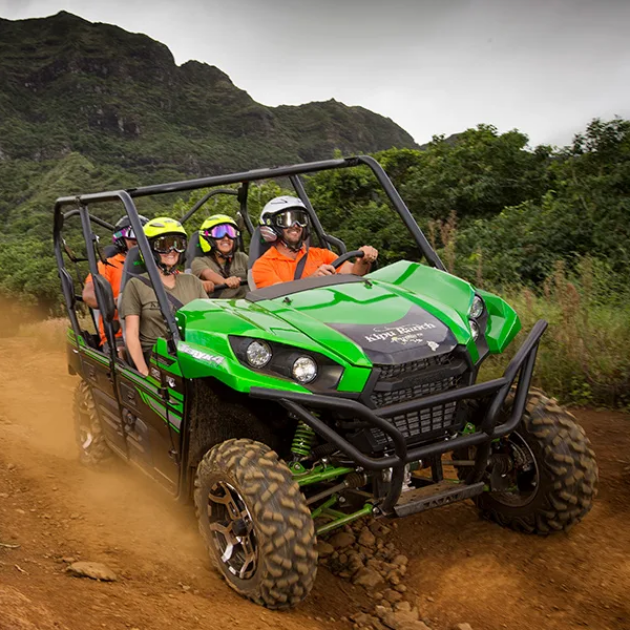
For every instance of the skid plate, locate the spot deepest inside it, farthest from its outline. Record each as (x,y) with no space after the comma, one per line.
(435,495)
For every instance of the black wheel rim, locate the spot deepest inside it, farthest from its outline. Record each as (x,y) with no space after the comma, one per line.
(517,484)
(232,530)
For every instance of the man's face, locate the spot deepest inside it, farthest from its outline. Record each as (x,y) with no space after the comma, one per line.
(293,234)
(292,223)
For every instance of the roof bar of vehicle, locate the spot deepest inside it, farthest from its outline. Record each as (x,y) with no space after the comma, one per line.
(282,171)
(208,195)
(124,197)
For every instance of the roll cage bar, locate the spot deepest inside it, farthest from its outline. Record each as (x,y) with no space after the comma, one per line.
(81,204)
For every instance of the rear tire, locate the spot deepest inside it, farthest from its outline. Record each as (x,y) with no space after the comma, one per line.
(557,482)
(255,522)
(93,449)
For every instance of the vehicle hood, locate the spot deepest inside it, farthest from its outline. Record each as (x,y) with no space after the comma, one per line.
(380,319)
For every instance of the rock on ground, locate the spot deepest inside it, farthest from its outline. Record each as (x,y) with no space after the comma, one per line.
(93,570)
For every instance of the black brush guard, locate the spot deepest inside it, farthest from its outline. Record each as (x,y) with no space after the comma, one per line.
(521,366)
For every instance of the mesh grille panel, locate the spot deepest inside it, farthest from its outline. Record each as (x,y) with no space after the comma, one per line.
(411,381)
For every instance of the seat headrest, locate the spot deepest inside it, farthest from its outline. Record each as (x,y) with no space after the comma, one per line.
(133,265)
(110,250)
(257,248)
(192,251)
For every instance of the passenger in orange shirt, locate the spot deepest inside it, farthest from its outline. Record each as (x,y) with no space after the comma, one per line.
(123,238)
(284,222)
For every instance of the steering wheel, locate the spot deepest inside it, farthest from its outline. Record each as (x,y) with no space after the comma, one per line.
(357,253)
(220,287)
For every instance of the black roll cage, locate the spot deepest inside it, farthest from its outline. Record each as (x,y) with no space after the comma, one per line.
(81,203)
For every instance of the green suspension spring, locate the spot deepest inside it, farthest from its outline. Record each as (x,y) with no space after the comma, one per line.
(303,440)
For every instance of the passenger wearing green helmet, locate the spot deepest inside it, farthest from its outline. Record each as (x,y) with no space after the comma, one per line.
(222,263)
(144,322)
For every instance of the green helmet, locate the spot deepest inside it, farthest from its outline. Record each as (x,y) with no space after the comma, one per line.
(210,231)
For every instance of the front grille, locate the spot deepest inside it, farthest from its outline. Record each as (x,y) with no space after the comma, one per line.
(382,399)
(418,425)
(414,380)
(411,367)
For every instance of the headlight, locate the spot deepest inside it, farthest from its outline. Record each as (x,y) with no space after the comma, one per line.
(258,353)
(476,309)
(304,369)
(474,329)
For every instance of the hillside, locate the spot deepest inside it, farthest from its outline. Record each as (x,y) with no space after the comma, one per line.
(69,85)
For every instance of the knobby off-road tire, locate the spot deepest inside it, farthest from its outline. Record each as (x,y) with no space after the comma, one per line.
(93,449)
(566,467)
(271,515)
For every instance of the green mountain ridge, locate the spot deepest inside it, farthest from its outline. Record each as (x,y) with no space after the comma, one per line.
(119,99)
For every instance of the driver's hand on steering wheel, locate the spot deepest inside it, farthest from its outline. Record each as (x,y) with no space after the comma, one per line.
(233,282)
(370,254)
(324,270)
(208,286)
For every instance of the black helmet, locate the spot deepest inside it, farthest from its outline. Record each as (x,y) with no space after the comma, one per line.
(123,230)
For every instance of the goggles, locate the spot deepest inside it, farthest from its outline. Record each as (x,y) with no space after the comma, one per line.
(220,231)
(289,218)
(126,232)
(169,243)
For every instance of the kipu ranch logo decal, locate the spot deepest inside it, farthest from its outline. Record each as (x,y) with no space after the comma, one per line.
(412,333)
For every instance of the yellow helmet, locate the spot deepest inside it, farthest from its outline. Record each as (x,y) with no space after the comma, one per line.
(163,225)
(165,234)
(207,239)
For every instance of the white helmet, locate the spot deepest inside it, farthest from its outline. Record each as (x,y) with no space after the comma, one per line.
(280,213)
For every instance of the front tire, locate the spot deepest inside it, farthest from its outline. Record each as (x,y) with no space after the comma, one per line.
(93,449)
(255,522)
(547,469)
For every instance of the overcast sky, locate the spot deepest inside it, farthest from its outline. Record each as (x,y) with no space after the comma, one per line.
(546,67)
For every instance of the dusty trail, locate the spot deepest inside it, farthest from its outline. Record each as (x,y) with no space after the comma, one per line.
(460,568)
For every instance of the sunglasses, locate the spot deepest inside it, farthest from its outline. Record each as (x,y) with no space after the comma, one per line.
(290,218)
(220,231)
(126,232)
(169,243)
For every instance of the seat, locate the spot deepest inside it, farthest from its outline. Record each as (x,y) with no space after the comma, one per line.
(109,251)
(134,265)
(192,251)
(257,247)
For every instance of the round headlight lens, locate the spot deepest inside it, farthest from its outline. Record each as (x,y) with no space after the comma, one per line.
(258,354)
(474,328)
(476,309)
(304,370)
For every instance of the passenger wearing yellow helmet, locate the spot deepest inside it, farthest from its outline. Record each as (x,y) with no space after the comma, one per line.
(222,262)
(144,322)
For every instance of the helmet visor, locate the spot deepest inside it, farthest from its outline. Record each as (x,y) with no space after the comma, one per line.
(289,218)
(220,231)
(169,243)
(126,232)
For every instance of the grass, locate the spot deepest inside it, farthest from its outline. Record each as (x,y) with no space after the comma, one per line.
(584,357)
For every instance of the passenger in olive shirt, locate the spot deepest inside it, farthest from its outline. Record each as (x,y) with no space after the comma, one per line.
(222,263)
(144,322)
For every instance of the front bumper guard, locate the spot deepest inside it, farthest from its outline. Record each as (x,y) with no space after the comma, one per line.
(522,365)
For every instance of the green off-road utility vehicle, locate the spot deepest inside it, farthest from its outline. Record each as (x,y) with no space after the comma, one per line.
(310,404)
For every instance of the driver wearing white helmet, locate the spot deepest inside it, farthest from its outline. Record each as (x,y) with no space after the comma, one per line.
(284,222)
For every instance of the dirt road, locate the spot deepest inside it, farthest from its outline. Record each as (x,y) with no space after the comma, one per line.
(461,569)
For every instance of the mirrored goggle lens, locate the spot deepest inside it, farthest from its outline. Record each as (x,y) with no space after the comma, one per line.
(126,232)
(219,231)
(292,217)
(166,244)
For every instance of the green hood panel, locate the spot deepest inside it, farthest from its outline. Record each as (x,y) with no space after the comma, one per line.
(341,321)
